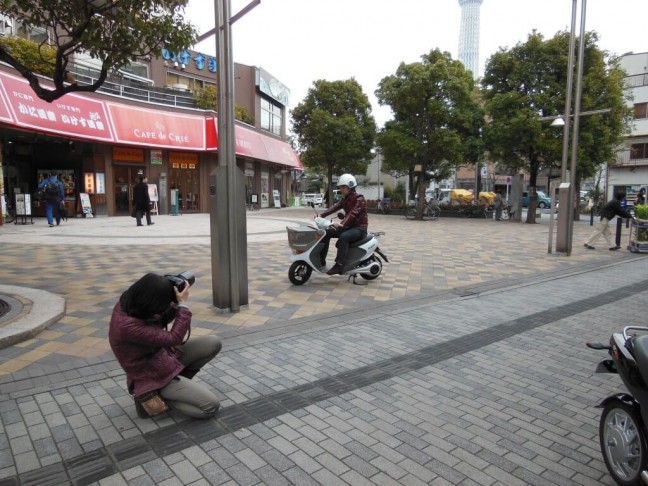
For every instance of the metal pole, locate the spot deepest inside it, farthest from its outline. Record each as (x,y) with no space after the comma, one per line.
(229,239)
(565,147)
(378,177)
(574,151)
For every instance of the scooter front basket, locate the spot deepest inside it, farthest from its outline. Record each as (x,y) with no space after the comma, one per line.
(302,238)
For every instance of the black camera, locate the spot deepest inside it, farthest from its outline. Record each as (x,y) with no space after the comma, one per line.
(179,280)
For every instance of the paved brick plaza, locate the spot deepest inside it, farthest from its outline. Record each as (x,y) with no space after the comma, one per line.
(463,364)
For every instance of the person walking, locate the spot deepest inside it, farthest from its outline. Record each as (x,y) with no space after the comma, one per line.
(148,334)
(499,205)
(53,193)
(610,210)
(352,228)
(142,201)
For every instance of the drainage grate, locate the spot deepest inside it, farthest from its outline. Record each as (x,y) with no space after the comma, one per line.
(4,308)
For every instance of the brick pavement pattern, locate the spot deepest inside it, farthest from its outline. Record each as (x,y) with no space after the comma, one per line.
(462,364)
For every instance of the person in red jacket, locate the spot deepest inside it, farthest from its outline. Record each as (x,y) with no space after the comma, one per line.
(149,335)
(352,228)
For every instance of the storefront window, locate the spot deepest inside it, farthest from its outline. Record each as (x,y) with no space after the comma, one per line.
(271,116)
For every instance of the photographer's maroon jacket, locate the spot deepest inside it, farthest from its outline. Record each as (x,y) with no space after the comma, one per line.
(145,351)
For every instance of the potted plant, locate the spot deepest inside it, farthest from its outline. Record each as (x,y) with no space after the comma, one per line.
(639,230)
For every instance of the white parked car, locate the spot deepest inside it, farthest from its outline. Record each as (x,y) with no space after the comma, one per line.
(315,198)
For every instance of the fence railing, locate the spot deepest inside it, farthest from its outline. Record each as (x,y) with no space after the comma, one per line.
(636,81)
(126,89)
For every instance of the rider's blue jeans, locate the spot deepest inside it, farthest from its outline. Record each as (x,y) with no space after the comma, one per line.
(345,237)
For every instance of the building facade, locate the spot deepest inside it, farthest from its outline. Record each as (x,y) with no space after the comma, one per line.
(630,169)
(144,121)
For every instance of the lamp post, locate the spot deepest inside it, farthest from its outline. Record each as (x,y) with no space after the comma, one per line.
(226,184)
(565,231)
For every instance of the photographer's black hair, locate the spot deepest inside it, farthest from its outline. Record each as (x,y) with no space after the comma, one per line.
(150,295)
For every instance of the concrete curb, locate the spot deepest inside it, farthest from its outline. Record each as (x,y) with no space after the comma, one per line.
(46,308)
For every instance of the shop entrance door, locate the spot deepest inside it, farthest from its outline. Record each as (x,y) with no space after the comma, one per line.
(187,182)
(125,178)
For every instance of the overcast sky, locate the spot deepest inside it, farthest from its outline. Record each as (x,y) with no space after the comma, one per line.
(300,41)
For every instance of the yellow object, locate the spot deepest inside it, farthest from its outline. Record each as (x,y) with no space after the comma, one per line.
(462,196)
(487,197)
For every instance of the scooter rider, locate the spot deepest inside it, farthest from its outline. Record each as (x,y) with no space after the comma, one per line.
(352,228)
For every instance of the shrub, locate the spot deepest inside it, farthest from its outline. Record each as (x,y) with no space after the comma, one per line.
(642,211)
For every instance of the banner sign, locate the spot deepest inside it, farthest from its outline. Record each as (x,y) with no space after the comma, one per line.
(156,128)
(70,115)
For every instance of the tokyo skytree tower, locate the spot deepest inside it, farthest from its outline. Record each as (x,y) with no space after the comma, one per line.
(469,35)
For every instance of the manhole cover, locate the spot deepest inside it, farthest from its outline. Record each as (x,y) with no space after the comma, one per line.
(4,307)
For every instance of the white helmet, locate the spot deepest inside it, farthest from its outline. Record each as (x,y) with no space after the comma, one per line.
(347,180)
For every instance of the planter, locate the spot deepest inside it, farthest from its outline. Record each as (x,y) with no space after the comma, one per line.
(639,236)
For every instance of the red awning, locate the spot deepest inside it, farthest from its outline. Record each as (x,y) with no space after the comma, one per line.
(78,116)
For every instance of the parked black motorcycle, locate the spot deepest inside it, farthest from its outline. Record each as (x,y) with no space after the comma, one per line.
(622,429)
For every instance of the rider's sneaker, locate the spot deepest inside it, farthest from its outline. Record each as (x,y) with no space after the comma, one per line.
(335,270)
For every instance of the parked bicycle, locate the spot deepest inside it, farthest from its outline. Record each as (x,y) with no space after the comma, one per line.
(431,212)
(383,206)
(475,211)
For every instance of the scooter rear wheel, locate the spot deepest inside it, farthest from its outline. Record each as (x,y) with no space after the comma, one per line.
(371,276)
(299,273)
(623,442)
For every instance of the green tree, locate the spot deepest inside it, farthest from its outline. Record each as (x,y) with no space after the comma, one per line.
(38,58)
(207,99)
(436,122)
(527,82)
(334,129)
(116,32)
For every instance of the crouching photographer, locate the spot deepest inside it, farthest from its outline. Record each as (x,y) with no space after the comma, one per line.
(149,335)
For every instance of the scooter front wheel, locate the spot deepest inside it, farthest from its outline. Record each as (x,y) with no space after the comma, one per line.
(299,273)
(623,442)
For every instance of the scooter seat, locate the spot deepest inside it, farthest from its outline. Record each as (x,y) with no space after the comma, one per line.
(362,241)
(640,352)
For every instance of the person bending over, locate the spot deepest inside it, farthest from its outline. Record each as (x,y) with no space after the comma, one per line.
(352,228)
(149,335)
(610,210)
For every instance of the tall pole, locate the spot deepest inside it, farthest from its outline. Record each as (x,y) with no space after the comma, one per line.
(562,241)
(574,151)
(227,211)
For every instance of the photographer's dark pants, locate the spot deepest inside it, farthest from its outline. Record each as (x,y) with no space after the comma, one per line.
(345,237)
(187,396)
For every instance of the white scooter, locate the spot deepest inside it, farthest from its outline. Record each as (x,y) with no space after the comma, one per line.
(305,241)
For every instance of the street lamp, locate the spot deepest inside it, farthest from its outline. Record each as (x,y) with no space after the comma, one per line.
(565,231)
(559,121)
